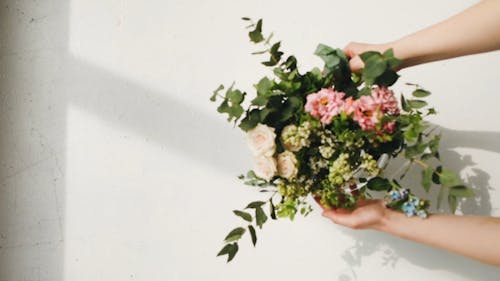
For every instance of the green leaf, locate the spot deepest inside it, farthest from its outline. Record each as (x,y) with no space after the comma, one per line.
(449,178)
(216,91)
(461,191)
(251,120)
(414,150)
(416,104)
(427,178)
(378,184)
(252,234)
(388,78)
(230,250)
(452,202)
(435,175)
(275,55)
(245,18)
(272,209)
(235,97)
(374,66)
(421,93)
(255,204)
(244,215)
(431,111)
(260,216)
(256,34)
(235,234)
(404,104)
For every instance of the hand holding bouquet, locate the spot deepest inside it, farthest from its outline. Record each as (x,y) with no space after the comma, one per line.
(330,133)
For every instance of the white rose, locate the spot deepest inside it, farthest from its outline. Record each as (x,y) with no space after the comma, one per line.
(261,140)
(265,167)
(287,165)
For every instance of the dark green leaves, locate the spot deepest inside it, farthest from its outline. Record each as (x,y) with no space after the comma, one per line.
(378,184)
(416,104)
(231,103)
(230,250)
(427,178)
(328,55)
(449,178)
(421,93)
(244,215)
(275,55)
(235,234)
(255,204)
(461,191)
(260,216)
(380,68)
(252,234)
(256,34)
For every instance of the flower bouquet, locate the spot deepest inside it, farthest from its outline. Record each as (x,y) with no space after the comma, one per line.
(330,133)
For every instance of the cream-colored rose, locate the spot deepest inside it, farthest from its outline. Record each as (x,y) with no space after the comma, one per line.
(287,165)
(261,140)
(265,167)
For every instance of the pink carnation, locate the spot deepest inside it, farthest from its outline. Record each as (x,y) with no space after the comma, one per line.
(386,99)
(349,106)
(325,104)
(390,127)
(367,112)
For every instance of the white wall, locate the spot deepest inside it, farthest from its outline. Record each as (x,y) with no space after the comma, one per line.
(114,165)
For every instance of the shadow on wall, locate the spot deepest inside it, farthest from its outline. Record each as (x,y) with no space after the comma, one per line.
(393,249)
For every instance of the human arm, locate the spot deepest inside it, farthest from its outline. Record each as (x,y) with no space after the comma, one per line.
(474,30)
(471,236)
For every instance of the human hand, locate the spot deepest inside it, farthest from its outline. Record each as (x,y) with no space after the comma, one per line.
(354,49)
(368,214)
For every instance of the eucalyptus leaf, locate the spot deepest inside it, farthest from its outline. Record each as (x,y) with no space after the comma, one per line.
(260,216)
(421,93)
(244,215)
(255,204)
(235,234)
(461,191)
(256,34)
(253,235)
(427,178)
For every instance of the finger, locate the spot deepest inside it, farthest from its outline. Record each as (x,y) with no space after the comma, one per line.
(341,218)
(356,64)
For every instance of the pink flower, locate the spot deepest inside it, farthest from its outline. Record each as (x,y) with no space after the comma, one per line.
(349,106)
(386,99)
(367,112)
(325,104)
(390,127)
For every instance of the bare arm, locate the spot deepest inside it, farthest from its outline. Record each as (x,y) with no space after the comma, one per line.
(471,236)
(475,30)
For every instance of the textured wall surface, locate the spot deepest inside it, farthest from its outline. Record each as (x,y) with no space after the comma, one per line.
(115,166)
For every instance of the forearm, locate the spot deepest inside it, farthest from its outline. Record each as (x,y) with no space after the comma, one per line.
(472,236)
(472,31)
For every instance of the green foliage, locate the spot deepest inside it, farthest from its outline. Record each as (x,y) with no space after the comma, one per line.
(427,178)
(378,184)
(256,34)
(380,68)
(230,250)
(235,234)
(260,216)
(253,235)
(244,215)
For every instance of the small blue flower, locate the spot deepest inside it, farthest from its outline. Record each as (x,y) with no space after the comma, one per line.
(422,214)
(395,195)
(409,209)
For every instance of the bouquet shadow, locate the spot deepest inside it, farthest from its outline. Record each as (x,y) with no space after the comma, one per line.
(393,249)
